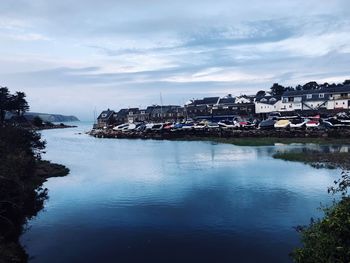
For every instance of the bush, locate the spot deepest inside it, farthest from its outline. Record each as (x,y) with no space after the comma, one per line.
(328,239)
(37,121)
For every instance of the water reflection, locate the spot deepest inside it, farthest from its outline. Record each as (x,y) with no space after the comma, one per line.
(163,201)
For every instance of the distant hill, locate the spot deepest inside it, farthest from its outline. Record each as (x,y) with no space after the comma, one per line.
(51,117)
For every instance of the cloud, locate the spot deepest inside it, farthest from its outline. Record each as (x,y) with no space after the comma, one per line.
(125,52)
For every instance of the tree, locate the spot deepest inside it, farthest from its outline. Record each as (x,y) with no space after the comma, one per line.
(4,102)
(299,87)
(328,239)
(260,93)
(311,85)
(19,103)
(277,90)
(346,82)
(37,121)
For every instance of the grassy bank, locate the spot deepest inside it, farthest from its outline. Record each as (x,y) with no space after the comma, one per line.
(22,173)
(318,159)
(268,141)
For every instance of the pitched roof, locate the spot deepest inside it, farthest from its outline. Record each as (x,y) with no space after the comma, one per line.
(268,99)
(106,114)
(206,101)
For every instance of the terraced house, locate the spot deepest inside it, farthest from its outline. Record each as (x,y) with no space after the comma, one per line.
(325,99)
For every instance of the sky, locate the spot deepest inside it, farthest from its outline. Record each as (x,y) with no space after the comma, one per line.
(72,57)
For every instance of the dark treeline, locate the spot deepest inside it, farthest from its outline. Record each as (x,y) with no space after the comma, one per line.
(278,90)
(12,103)
(22,173)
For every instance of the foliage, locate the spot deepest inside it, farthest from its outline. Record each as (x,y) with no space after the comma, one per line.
(328,239)
(12,103)
(260,93)
(277,89)
(22,173)
(37,121)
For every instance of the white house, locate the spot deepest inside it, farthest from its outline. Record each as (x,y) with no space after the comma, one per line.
(333,98)
(267,104)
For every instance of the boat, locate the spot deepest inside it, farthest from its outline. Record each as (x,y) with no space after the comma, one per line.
(282,124)
(157,127)
(187,126)
(200,126)
(298,123)
(177,126)
(130,127)
(149,126)
(121,127)
(267,124)
(339,123)
(228,124)
(213,125)
(168,126)
(312,124)
(246,124)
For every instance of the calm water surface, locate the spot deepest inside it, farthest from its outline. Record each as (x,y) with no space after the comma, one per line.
(170,201)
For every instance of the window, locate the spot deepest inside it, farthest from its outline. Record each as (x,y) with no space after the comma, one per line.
(309,96)
(272,99)
(321,95)
(291,99)
(263,100)
(297,99)
(284,100)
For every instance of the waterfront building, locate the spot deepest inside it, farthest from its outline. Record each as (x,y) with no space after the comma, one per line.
(106,118)
(321,100)
(267,104)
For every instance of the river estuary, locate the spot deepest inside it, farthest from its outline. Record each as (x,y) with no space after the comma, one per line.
(171,201)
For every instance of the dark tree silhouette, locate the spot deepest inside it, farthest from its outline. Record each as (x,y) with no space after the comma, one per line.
(346,82)
(37,121)
(260,93)
(19,103)
(311,85)
(277,89)
(4,103)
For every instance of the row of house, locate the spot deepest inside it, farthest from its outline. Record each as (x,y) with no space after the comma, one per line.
(321,100)
(218,108)
(153,113)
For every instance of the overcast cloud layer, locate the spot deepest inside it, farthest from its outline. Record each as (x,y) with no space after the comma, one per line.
(72,56)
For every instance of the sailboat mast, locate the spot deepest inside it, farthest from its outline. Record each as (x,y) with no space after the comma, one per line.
(161,106)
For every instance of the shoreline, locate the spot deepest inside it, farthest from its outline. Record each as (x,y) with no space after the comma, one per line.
(334,160)
(34,197)
(54,126)
(236,137)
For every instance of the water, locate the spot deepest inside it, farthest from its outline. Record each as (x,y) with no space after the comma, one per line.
(171,201)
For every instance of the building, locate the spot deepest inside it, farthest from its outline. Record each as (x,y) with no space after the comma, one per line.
(267,104)
(230,107)
(106,118)
(325,99)
(201,108)
(166,113)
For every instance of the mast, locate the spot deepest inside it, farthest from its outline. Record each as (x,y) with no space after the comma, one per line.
(161,106)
